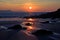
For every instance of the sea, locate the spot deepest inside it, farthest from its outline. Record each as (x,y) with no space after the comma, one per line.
(38,23)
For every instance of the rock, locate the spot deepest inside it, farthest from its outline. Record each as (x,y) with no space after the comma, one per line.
(42,32)
(16,27)
(45,22)
(28,24)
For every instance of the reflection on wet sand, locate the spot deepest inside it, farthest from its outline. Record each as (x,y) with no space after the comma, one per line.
(29,25)
(30,29)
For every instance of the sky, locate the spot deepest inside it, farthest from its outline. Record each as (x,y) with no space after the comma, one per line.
(35,5)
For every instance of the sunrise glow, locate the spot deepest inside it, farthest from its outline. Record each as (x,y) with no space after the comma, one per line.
(30,7)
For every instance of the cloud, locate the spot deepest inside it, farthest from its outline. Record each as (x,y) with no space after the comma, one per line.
(14,1)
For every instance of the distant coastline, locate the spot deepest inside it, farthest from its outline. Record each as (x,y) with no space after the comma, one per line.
(54,14)
(11,14)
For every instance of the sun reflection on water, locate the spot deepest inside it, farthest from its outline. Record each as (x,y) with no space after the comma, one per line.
(29,24)
(30,19)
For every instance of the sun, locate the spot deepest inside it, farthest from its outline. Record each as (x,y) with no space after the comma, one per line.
(30,7)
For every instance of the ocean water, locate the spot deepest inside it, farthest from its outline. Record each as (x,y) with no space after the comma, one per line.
(11,14)
(37,23)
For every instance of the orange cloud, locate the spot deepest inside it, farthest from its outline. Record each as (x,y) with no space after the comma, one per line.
(25,7)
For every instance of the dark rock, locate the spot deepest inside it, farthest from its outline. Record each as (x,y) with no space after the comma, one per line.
(42,32)
(45,22)
(28,24)
(16,27)
(24,28)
